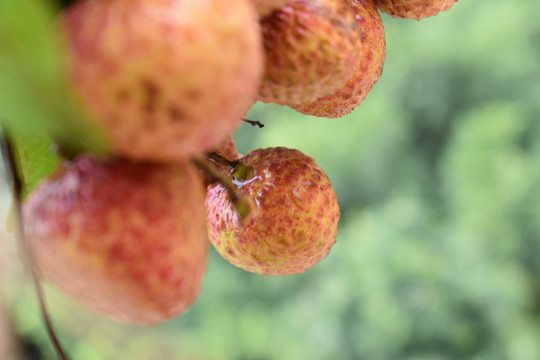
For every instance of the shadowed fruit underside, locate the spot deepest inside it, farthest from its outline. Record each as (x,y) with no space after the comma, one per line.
(127,240)
(295,222)
(414,9)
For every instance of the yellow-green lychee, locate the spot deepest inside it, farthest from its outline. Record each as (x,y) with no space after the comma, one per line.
(295,220)
(165,79)
(311,50)
(368,69)
(128,240)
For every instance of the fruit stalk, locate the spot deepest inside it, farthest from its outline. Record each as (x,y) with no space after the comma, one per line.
(241,204)
(9,158)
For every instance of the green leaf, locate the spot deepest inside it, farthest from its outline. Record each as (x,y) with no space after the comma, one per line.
(35,95)
(35,159)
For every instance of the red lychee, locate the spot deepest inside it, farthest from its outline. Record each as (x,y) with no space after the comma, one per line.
(414,9)
(368,69)
(294,223)
(311,50)
(126,239)
(166,79)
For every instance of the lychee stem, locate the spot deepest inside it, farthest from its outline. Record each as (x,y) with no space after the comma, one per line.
(241,204)
(237,169)
(64,151)
(9,159)
(221,160)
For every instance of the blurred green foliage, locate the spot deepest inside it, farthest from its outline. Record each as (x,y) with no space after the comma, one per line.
(438,177)
(35,98)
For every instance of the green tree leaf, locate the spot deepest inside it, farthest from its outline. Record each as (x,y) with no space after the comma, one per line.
(34,92)
(35,159)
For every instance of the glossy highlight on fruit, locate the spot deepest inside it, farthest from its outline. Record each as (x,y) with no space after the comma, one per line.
(368,69)
(165,79)
(126,239)
(295,221)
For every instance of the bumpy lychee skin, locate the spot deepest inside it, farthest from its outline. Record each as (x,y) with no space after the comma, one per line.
(295,221)
(414,9)
(266,7)
(368,69)
(166,79)
(127,240)
(310,50)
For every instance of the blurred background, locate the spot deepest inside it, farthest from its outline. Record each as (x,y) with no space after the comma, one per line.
(438,254)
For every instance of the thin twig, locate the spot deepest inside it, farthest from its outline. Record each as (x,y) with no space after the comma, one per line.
(8,151)
(242,204)
(254,123)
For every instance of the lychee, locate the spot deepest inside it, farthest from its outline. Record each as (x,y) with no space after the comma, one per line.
(166,79)
(228,149)
(311,50)
(368,69)
(126,239)
(295,220)
(414,9)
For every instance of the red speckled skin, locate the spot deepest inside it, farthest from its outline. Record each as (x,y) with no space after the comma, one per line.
(266,7)
(295,222)
(166,79)
(414,9)
(310,50)
(127,240)
(367,73)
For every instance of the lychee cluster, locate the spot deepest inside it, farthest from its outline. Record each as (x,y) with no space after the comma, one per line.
(168,82)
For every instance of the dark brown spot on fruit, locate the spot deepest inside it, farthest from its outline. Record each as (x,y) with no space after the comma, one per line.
(273,253)
(175,113)
(256,258)
(122,95)
(283,242)
(150,95)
